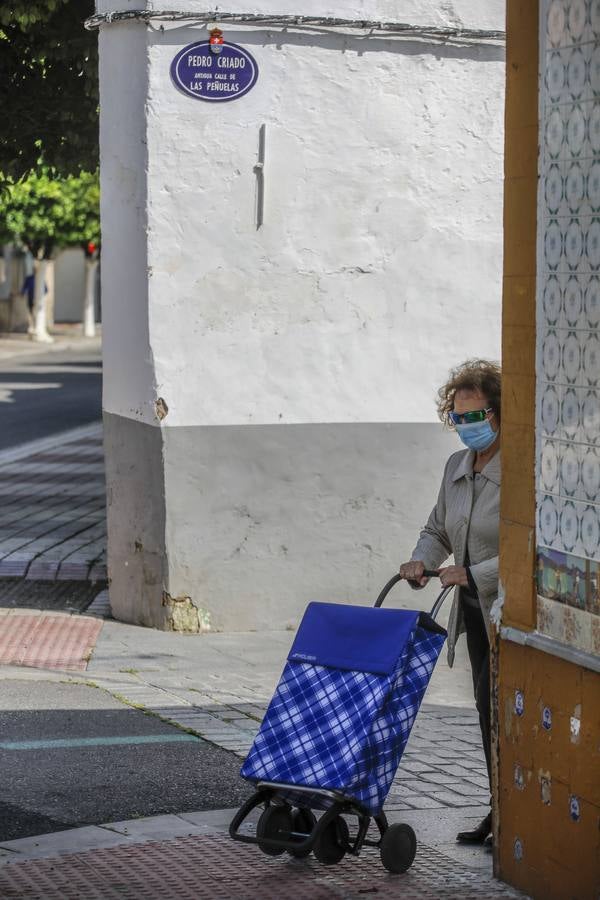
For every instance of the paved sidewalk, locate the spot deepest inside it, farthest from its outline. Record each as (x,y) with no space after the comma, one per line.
(191,856)
(52,516)
(66,336)
(217,686)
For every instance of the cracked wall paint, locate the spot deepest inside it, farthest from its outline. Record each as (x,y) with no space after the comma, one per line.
(545,780)
(183,614)
(497,605)
(161,409)
(575,724)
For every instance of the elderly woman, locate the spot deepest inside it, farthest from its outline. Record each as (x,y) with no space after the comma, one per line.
(465,522)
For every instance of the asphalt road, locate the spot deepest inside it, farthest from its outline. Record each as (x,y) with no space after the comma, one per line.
(46,393)
(112,763)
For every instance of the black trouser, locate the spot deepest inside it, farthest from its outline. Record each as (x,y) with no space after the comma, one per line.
(479,656)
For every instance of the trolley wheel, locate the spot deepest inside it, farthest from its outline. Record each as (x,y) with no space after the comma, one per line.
(398,848)
(331,844)
(303,820)
(275,822)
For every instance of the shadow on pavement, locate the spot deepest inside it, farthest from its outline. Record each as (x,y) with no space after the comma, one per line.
(54,596)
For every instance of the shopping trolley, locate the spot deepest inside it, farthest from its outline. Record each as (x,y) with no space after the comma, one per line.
(335,730)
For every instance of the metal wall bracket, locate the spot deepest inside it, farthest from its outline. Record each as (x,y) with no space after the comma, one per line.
(259,170)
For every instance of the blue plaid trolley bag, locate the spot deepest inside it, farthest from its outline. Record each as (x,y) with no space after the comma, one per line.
(335,730)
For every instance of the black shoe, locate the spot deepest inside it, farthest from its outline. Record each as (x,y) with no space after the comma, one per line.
(479,834)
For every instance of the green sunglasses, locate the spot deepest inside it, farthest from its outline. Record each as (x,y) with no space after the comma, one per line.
(469,418)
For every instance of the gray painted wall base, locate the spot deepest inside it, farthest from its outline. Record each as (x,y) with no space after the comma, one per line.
(135,498)
(237,528)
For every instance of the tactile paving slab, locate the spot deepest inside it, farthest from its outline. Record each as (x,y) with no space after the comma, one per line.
(48,642)
(213,866)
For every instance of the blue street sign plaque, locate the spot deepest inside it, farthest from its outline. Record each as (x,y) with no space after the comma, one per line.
(214,73)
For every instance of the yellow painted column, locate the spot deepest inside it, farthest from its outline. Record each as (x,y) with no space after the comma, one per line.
(547,689)
(517,504)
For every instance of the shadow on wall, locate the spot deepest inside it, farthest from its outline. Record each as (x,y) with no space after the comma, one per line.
(482,51)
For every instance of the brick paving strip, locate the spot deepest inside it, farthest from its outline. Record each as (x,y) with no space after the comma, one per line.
(53,641)
(53,510)
(213,866)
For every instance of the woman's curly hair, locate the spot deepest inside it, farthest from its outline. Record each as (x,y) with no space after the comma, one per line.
(472,375)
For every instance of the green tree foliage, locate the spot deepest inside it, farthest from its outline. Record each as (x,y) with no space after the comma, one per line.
(46,212)
(48,87)
(80,220)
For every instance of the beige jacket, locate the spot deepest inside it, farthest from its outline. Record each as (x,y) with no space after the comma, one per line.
(454,520)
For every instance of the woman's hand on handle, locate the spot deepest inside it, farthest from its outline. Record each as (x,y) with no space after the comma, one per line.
(454,575)
(413,571)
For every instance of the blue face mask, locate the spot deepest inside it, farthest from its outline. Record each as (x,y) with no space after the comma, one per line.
(478,435)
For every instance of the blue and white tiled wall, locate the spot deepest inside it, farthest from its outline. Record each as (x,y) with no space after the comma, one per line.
(568,318)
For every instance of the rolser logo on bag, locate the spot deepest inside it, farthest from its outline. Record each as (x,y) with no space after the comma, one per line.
(307,657)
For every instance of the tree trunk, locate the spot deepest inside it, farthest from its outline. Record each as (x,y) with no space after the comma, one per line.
(89,311)
(40,330)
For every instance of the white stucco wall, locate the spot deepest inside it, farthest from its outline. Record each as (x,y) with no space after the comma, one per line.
(372,253)
(128,380)
(381,241)
(378,267)
(381,235)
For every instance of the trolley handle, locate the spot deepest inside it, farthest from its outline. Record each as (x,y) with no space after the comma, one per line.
(428,573)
